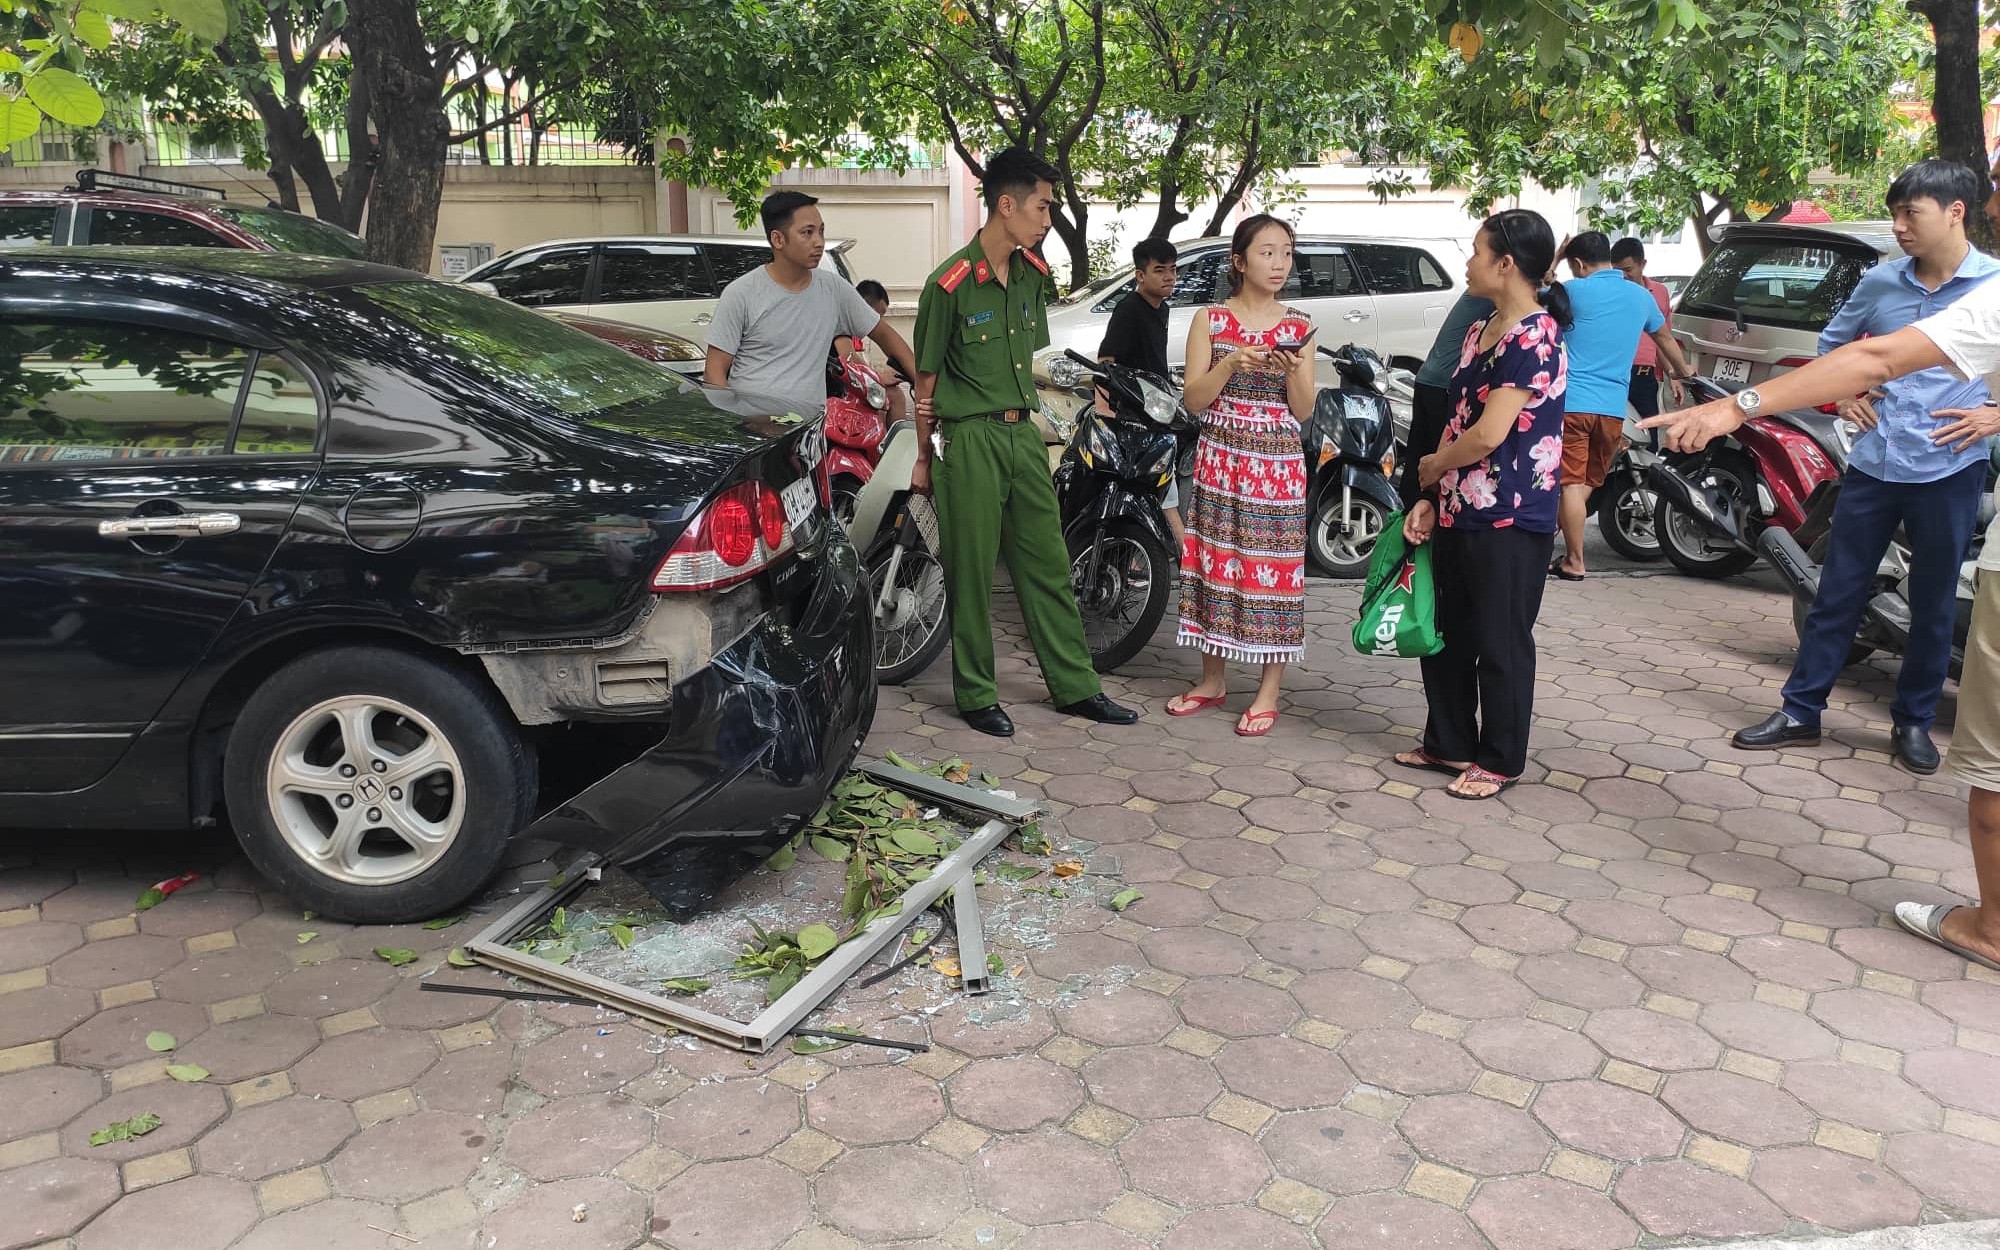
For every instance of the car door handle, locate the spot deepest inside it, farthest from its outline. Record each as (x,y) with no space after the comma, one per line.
(1355,314)
(197,525)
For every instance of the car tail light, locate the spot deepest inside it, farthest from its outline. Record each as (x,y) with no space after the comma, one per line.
(739,534)
(1793,362)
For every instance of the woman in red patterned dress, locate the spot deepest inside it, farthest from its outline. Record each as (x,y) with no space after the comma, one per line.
(1243,573)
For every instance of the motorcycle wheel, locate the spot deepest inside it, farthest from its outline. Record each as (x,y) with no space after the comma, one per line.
(1860,650)
(1122,604)
(914,626)
(1627,517)
(1340,545)
(1688,546)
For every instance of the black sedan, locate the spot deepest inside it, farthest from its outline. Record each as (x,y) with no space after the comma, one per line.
(384,572)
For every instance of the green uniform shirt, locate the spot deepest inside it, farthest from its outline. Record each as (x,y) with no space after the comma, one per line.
(980,337)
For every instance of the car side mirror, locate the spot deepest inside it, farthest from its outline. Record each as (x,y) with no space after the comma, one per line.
(485,288)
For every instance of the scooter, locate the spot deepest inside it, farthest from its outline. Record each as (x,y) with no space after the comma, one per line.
(1350,444)
(857,420)
(1109,485)
(1885,622)
(895,530)
(1714,503)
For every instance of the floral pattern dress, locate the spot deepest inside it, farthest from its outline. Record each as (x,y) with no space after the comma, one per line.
(1243,573)
(1518,483)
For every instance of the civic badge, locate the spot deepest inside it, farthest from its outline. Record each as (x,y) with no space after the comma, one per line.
(1734,334)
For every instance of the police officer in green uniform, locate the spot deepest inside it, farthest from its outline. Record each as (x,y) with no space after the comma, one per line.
(979,322)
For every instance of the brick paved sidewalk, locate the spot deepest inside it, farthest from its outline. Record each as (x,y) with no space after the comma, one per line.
(1652,998)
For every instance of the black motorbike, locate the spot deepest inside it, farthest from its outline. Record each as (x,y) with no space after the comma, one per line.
(1350,445)
(1109,486)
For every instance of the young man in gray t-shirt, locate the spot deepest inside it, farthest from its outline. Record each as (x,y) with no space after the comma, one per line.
(773,324)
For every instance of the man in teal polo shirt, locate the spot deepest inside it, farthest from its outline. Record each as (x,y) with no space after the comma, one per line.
(980,319)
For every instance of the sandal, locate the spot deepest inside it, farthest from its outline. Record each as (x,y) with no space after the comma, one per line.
(1926,920)
(1256,724)
(1192,703)
(1557,570)
(1479,776)
(1424,761)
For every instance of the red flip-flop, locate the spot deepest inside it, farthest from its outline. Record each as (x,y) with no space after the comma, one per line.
(1192,703)
(1480,776)
(1256,724)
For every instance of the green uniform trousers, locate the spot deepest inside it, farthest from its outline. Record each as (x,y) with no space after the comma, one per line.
(995,498)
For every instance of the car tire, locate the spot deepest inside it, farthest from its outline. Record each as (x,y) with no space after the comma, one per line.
(1682,538)
(306,821)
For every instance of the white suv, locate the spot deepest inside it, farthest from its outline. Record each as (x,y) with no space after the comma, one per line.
(661,281)
(1387,294)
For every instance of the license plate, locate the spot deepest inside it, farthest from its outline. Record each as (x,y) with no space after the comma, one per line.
(1731,369)
(800,500)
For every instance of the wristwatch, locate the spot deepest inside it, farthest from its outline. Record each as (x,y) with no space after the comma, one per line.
(1748,401)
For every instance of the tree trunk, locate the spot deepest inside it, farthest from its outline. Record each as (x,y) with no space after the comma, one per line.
(359,179)
(534,137)
(1171,213)
(1247,171)
(407,94)
(281,178)
(1074,231)
(479,123)
(1956,105)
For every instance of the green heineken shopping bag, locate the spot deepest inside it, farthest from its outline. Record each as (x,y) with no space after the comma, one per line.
(1398,605)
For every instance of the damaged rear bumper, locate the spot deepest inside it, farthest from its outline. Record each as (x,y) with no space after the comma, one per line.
(756,738)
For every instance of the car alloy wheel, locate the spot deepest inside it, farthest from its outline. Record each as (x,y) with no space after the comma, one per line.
(366,790)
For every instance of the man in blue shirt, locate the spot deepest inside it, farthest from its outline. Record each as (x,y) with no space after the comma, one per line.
(1611,315)
(1897,476)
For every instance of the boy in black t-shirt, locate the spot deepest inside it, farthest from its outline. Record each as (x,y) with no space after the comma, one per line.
(1137,335)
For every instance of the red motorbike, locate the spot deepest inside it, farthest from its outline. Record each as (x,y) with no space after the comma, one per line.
(857,421)
(1714,503)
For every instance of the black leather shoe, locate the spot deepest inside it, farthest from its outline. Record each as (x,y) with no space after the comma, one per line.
(1775,732)
(1915,748)
(1101,710)
(990,720)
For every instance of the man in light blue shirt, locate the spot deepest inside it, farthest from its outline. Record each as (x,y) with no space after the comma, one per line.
(1897,476)
(1611,316)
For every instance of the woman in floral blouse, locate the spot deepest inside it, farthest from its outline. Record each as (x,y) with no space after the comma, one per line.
(1491,492)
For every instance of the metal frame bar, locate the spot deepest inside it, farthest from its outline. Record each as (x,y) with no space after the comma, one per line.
(971,937)
(778,1020)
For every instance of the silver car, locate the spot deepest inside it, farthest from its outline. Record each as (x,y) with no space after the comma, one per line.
(1760,300)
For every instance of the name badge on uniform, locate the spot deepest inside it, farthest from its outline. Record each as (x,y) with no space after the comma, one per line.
(979,318)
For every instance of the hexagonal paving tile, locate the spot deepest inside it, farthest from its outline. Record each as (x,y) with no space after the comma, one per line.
(1580,981)
(1773,1032)
(1152,1083)
(232,973)
(875,1106)
(1476,1135)
(1869,1098)
(1652,1040)
(747,1204)
(1883,1019)
(54,1198)
(44,1012)
(970,1027)
(1408,1062)
(1692,974)
(1834,1190)
(1235,1007)
(355,1065)
(1396,1222)
(1523,930)
(241,1049)
(1013,1095)
(1462,988)
(1726,1105)
(1338,1151)
(889,1193)
(332,987)
(39,1099)
(1194,1163)
(115,961)
(1533,1049)
(1788,961)
(1122,1017)
(1949,1169)
(729,1119)
(195,1213)
(195,912)
(578,1136)
(114,1038)
(1958,1078)
(407,1158)
(1264,898)
(1170,906)
(580,1061)
(1543,1213)
(1355,1000)
(1046,1178)
(186,1110)
(1678,1199)
(1243,1228)
(1608,1120)
(1414,938)
(330,1224)
(1196,952)
(275,1137)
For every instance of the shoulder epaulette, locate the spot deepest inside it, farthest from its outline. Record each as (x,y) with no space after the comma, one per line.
(951,277)
(1036,261)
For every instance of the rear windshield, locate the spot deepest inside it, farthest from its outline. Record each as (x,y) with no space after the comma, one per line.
(1775,282)
(295,232)
(564,369)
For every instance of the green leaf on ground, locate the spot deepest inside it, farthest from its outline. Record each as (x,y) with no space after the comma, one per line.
(187,1072)
(160,1041)
(817,941)
(397,955)
(1125,898)
(307,915)
(152,897)
(688,986)
(443,922)
(784,857)
(832,849)
(915,841)
(457,958)
(559,922)
(125,1130)
(817,1043)
(1016,872)
(784,979)
(995,965)
(623,935)
(65,97)
(307,935)
(1034,841)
